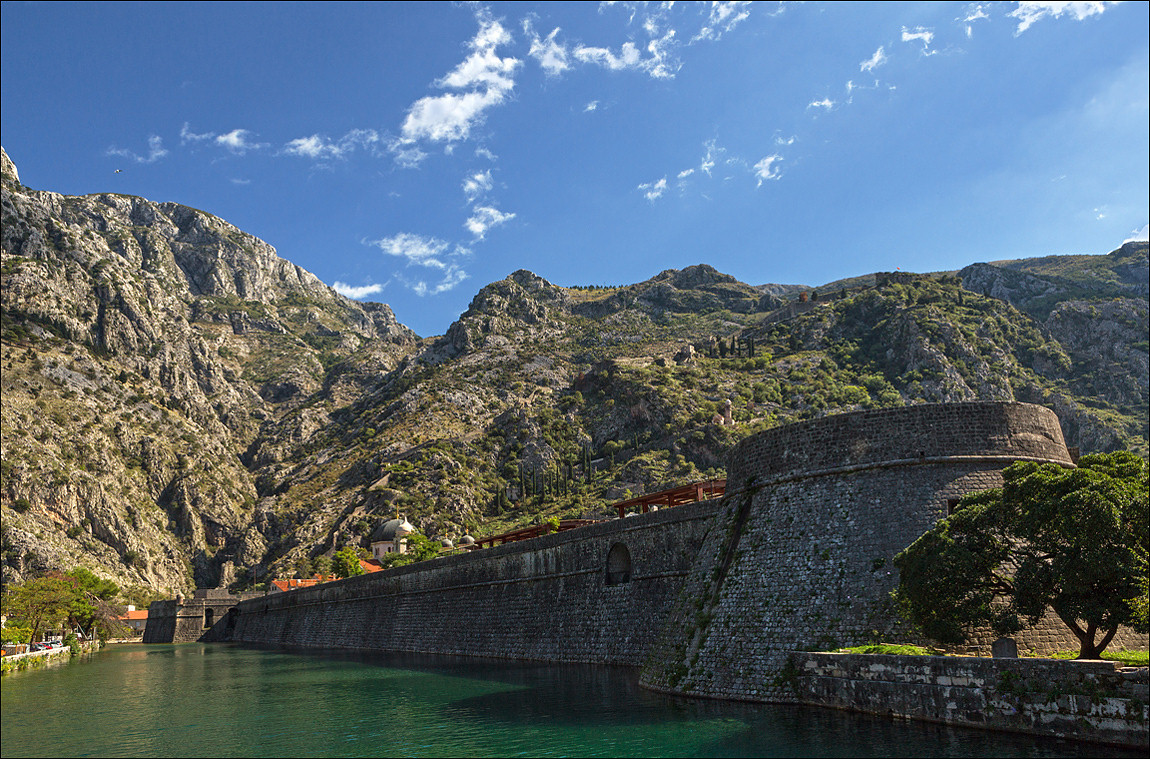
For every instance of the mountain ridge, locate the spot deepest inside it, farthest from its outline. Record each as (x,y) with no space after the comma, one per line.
(184,408)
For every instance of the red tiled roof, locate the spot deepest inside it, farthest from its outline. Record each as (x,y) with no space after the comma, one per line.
(370,565)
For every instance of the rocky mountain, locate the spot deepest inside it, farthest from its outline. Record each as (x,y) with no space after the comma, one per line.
(183,407)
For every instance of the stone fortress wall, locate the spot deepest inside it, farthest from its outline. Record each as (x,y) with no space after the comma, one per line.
(709,598)
(596,594)
(204,617)
(800,558)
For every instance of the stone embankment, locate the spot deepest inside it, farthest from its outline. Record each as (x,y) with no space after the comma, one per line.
(1098,701)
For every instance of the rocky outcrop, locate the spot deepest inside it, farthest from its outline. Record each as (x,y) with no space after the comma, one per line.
(183,407)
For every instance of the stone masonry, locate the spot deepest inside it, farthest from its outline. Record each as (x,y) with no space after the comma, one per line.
(800,558)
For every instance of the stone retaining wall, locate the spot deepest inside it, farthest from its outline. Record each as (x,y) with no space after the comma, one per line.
(548,599)
(1097,701)
(801,556)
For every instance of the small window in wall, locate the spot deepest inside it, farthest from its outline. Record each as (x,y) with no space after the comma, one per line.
(618,565)
(209,617)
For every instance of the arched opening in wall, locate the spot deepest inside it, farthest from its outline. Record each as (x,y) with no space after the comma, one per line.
(209,617)
(618,565)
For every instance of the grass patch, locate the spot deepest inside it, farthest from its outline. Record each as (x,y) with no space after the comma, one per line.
(1125,657)
(893,649)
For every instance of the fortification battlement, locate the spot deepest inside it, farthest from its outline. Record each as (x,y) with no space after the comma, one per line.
(931,433)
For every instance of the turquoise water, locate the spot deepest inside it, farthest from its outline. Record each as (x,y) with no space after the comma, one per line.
(223,700)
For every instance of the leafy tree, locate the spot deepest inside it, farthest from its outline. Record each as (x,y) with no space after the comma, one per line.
(1074,540)
(14,634)
(93,606)
(345,563)
(40,603)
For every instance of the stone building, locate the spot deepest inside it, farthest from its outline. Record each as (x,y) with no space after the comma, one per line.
(391,537)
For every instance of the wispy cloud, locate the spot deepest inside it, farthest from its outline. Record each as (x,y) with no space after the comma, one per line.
(416,250)
(552,56)
(876,60)
(723,17)
(826,104)
(484,79)
(476,185)
(484,218)
(451,277)
(1029,13)
(592,106)
(426,252)
(973,13)
(765,169)
(187,135)
(919,34)
(239,141)
(356,293)
(318,147)
(241,182)
(156,151)
(653,190)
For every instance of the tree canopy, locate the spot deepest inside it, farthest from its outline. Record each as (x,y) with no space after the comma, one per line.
(345,563)
(1072,540)
(78,597)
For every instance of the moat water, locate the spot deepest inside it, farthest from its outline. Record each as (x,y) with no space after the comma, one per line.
(223,700)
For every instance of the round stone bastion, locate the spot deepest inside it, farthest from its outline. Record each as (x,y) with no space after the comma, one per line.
(937,433)
(800,556)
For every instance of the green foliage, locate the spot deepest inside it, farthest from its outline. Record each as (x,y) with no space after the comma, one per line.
(893,649)
(345,563)
(1066,539)
(14,634)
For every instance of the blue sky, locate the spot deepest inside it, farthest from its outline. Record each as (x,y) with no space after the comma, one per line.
(411,154)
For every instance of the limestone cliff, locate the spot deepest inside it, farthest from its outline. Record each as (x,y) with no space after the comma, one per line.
(183,407)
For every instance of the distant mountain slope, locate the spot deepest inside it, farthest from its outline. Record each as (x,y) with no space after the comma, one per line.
(181,406)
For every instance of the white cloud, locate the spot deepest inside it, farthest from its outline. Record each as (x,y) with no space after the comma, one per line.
(312,147)
(452,276)
(485,153)
(477,184)
(187,135)
(317,147)
(552,57)
(785,140)
(825,103)
(592,106)
(356,293)
(919,34)
(876,60)
(484,218)
(1029,13)
(1139,235)
(156,151)
(766,169)
(238,141)
(406,153)
(628,57)
(653,190)
(723,17)
(685,173)
(660,64)
(450,117)
(240,182)
(713,153)
(973,13)
(416,250)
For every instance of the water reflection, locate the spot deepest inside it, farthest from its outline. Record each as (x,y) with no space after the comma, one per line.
(213,700)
